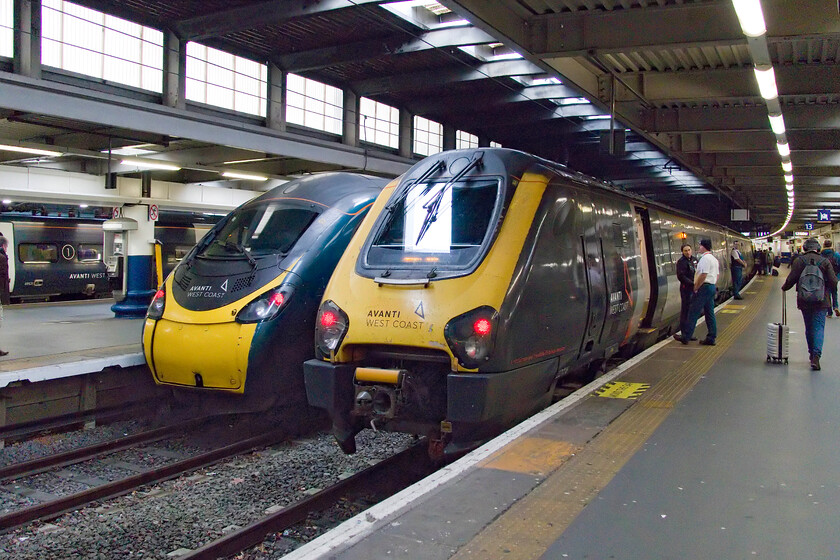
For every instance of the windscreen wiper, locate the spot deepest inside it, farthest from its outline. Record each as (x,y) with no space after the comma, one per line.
(432,207)
(435,168)
(239,249)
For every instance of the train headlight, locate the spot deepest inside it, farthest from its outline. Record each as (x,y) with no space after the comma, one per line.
(470,336)
(267,306)
(155,310)
(330,328)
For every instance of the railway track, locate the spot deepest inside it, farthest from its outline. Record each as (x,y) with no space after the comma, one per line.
(385,478)
(54,507)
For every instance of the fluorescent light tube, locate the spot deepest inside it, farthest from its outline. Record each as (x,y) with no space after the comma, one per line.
(33,151)
(766,79)
(777,124)
(784,149)
(246,176)
(787,166)
(750,17)
(150,164)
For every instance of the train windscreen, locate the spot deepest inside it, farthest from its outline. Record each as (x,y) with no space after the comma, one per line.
(437,224)
(259,230)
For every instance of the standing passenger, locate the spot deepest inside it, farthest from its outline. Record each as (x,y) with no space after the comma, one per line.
(770,258)
(737,264)
(813,312)
(685,274)
(834,259)
(703,301)
(4,279)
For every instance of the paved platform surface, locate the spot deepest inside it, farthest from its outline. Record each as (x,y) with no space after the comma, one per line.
(48,340)
(687,452)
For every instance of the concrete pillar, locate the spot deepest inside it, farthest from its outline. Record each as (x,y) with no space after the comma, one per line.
(449,133)
(27,42)
(276,111)
(174,71)
(406,133)
(350,119)
(140,280)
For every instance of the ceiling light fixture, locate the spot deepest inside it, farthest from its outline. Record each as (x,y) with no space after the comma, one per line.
(787,166)
(777,124)
(766,79)
(246,176)
(784,149)
(33,151)
(150,164)
(750,17)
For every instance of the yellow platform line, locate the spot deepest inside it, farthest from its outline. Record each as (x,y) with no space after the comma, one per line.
(536,521)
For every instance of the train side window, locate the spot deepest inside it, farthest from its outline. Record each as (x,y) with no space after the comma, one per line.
(88,252)
(37,253)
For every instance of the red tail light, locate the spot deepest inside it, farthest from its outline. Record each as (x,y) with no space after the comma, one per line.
(482,327)
(328,319)
(278,298)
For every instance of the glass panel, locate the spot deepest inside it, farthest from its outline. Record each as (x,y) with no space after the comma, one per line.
(314,105)
(89,253)
(260,229)
(37,253)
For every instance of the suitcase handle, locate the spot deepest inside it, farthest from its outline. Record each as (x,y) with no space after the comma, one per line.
(784,308)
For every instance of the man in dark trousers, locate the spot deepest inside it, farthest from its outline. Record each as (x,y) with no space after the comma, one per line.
(685,274)
(4,279)
(703,300)
(737,264)
(812,312)
(834,259)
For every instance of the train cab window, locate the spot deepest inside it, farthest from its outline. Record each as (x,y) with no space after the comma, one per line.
(260,229)
(87,252)
(35,253)
(436,225)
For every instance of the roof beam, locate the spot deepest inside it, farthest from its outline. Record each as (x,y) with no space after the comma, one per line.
(708,118)
(458,104)
(443,76)
(596,31)
(365,50)
(258,14)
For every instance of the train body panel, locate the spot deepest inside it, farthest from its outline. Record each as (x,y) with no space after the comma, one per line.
(238,311)
(469,324)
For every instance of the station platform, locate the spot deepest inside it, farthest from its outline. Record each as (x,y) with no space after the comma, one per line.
(53,340)
(685,451)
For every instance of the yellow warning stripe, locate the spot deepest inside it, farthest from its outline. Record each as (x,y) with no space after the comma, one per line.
(535,522)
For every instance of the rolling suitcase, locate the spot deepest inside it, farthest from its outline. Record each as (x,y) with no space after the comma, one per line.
(778,337)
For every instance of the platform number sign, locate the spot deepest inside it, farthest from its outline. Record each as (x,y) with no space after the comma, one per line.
(824,215)
(153,213)
(809,226)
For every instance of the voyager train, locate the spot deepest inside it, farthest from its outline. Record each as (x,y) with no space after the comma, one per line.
(62,256)
(479,280)
(237,316)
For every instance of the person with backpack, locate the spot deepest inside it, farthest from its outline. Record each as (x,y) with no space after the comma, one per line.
(814,278)
(834,259)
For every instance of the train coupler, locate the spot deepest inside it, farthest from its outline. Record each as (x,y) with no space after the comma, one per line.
(438,445)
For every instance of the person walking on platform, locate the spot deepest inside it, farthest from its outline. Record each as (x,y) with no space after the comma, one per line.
(4,280)
(814,278)
(834,259)
(761,262)
(737,264)
(685,274)
(770,258)
(703,300)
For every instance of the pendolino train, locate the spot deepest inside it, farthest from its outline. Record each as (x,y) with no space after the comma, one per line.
(62,256)
(236,316)
(478,281)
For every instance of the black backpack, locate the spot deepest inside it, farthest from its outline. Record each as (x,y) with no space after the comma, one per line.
(811,285)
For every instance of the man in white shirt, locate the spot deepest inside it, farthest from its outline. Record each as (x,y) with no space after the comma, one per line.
(703,300)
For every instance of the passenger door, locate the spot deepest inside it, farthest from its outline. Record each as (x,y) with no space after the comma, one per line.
(593,256)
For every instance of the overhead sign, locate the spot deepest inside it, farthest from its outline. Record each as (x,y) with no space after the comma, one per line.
(809,226)
(801,234)
(824,215)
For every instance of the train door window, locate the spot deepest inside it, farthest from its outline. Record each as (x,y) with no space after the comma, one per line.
(667,257)
(34,253)
(88,252)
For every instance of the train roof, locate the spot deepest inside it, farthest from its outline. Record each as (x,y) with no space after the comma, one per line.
(328,189)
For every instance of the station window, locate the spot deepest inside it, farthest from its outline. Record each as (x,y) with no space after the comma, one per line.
(428,136)
(495,145)
(89,253)
(465,140)
(313,104)
(82,40)
(225,80)
(379,124)
(34,253)
(7,36)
